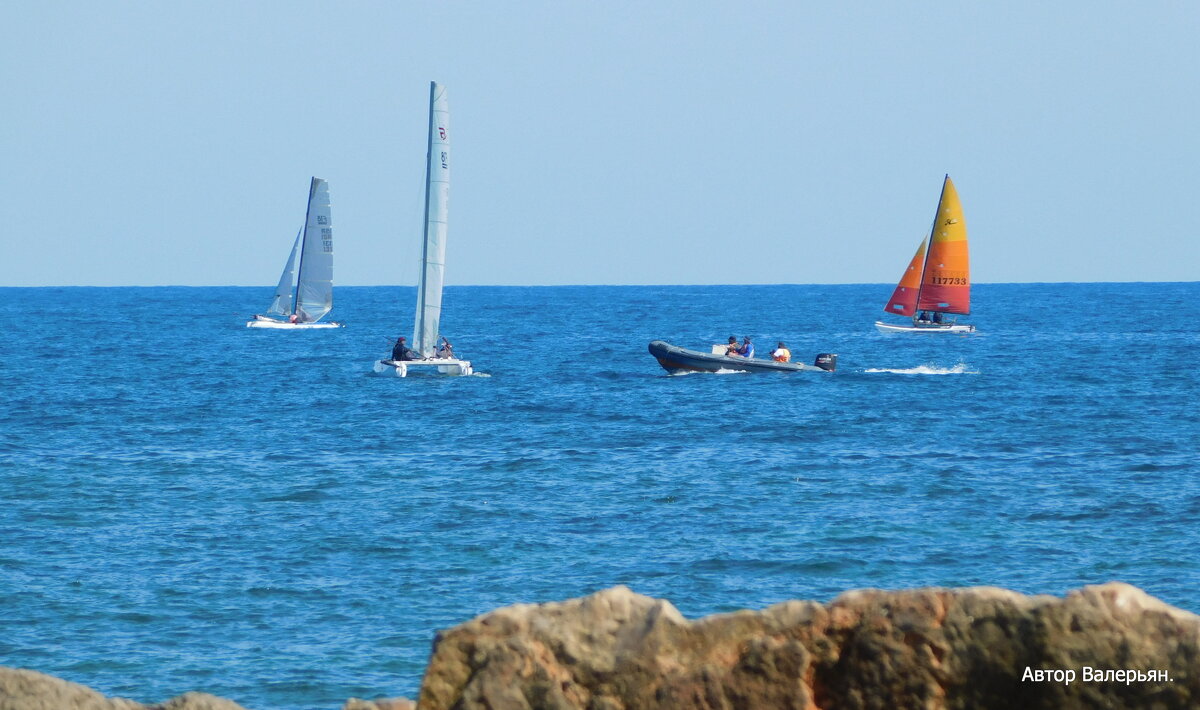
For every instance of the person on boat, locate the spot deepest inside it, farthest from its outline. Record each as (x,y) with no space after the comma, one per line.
(293,318)
(445,351)
(747,349)
(781,353)
(401,351)
(732,348)
(937,317)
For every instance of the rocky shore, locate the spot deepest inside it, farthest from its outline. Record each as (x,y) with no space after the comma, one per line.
(1107,646)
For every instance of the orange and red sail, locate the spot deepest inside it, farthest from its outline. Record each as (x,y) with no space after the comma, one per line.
(946,285)
(941,275)
(904,298)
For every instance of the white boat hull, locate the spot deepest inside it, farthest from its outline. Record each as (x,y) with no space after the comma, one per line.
(263,322)
(432,366)
(945,328)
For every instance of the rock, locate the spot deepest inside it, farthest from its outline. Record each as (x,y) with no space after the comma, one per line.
(927,648)
(924,649)
(380,704)
(29,690)
(197,701)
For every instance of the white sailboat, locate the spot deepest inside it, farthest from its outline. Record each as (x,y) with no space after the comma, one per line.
(424,354)
(303,306)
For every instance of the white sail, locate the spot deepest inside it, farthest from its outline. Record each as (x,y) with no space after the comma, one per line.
(433,249)
(314,287)
(282,305)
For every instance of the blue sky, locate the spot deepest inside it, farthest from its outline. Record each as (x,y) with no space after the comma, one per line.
(149,143)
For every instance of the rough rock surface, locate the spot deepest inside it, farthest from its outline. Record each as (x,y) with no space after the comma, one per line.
(926,649)
(380,704)
(29,690)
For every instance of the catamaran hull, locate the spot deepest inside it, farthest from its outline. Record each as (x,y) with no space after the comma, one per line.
(284,325)
(676,360)
(433,366)
(955,328)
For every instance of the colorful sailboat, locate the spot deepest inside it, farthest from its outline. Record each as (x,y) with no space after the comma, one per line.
(302,304)
(425,355)
(937,281)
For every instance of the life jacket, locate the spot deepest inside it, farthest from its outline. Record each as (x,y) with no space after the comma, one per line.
(782,355)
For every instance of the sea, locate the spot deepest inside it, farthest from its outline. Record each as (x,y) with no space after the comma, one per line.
(189,504)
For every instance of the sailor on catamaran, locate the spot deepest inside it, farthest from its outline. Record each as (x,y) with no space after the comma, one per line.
(445,351)
(402,353)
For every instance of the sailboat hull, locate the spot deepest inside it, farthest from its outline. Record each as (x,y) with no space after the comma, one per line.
(264,322)
(677,360)
(432,366)
(945,328)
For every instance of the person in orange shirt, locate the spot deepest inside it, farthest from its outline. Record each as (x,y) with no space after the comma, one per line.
(781,353)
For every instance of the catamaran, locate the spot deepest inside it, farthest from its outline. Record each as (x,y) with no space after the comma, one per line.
(305,304)
(427,357)
(937,280)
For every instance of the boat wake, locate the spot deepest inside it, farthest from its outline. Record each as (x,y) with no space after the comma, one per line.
(961,368)
(722,371)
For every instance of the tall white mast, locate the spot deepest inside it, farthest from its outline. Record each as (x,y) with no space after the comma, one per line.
(314,277)
(433,249)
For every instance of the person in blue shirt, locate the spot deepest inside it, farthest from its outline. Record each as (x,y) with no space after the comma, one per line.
(747,349)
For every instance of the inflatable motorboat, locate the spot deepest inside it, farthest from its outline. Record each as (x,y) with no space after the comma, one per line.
(677,360)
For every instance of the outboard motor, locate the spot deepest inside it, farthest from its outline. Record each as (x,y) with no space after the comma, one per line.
(826,361)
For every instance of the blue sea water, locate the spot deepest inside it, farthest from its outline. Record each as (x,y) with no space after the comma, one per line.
(188,504)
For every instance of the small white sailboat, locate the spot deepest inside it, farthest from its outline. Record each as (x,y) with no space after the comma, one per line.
(425,356)
(303,306)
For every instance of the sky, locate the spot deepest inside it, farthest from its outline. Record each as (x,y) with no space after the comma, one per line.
(697,142)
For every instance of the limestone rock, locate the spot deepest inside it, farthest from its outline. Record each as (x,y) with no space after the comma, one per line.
(380,704)
(927,649)
(924,649)
(29,690)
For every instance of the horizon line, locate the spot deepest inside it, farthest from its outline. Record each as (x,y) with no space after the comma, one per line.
(591,285)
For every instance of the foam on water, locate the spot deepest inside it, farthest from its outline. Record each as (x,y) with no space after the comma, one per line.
(927,369)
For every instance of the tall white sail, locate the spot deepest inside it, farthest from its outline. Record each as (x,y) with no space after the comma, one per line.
(282,305)
(314,287)
(433,249)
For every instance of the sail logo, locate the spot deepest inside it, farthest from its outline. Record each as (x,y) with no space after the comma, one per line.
(442,132)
